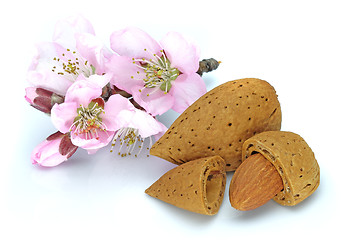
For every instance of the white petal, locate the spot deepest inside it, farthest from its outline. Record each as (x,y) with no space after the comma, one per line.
(66,29)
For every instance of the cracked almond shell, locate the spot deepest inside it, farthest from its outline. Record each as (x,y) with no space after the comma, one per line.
(197,186)
(293,159)
(220,121)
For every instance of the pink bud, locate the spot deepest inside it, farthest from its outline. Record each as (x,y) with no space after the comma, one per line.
(42,99)
(56,149)
(30,94)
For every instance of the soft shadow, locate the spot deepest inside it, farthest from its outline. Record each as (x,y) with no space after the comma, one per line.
(273,208)
(183,216)
(270,208)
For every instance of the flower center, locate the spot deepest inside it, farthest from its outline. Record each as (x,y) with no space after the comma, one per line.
(88,121)
(129,139)
(158,72)
(71,64)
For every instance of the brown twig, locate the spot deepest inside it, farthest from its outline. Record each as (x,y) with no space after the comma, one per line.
(207,65)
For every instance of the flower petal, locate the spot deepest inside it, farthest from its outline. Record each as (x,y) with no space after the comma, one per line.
(132,42)
(146,124)
(92,49)
(113,107)
(186,89)
(124,118)
(126,75)
(30,94)
(99,80)
(82,92)
(66,29)
(47,154)
(41,74)
(63,115)
(153,100)
(93,144)
(182,54)
(161,133)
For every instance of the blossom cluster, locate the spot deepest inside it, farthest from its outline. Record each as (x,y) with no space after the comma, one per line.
(96,95)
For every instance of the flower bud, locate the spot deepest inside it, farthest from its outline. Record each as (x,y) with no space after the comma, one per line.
(56,149)
(42,99)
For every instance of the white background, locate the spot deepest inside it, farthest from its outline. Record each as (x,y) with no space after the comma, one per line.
(297,46)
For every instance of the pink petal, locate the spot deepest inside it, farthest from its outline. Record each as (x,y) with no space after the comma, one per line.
(93,144)
(161,133)
(49,81)
(156,103)
(41,73)
(186,89)
(126,75)
(132,42)
(63,115)
(30,94)
(46,51)
(99,80)
(92,49)
(66,29)
(82,92)
(113,107)
(53,160)
(124,118)
(47,154)
(182,54)
(146,124)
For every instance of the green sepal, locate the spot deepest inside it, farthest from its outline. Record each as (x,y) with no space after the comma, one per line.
(175,72)
(166,85)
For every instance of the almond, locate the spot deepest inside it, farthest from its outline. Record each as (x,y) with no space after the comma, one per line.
(254,183)
(293,159)
(220,121)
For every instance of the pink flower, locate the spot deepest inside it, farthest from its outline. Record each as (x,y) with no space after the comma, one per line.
(138,126)
(56,149)
(74,51)
(159,76)
(90,120)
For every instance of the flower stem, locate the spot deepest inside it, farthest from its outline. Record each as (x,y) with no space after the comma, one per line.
(207,65)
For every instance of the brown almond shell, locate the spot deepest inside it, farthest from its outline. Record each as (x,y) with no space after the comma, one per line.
(196,186)
(293,159)
(220,121)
